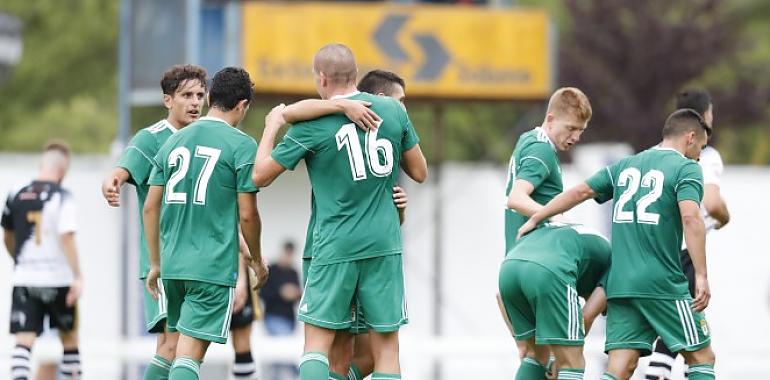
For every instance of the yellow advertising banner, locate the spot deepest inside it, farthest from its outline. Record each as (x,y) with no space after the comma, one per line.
(441,51)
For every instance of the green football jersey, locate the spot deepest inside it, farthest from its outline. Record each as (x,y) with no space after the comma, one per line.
(137,159)
(646,224)
(203,168)
(534,160)
(577,255)
(352,174)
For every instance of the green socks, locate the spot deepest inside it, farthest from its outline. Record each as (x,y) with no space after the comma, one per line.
(355,373)
(571,374)
(386,376)
(702,372)
(607,376)
(314,366)
(530,369)
(158,369)
(336,376)
(185,368)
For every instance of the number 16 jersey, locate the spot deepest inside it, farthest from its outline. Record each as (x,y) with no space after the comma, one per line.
(352,174)
(646,224)
(203,168)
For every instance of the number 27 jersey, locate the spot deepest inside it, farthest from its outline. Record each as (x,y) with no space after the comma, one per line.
(202,168)
(352,174)
(646,223)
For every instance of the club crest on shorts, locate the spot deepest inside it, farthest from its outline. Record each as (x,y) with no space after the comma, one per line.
(704,326)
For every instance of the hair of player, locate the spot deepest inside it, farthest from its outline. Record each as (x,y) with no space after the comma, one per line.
(179,74)
(288,246)
(571,101)
(337,63)
(230,86)
(684,121)
(380,82)
(696,99)
(56,154)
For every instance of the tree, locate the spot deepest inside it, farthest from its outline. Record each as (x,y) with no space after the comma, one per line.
(631,57)
(65,84)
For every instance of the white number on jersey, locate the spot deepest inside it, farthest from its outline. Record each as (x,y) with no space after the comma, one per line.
(181,157)
(631,179)
(347,138)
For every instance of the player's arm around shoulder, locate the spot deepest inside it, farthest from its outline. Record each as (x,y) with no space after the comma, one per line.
(357,111)
(266,169)
(412,159)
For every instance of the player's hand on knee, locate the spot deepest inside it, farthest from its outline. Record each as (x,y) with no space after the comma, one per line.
(152,281)
(76,288)
(702,293)
(399,197)
(358,111)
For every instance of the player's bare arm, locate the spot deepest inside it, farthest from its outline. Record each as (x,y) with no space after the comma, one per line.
(71,254)
(400,199)
(562,203)
(241,286)
(414,164)
(715,205)
(595,305)
(357,111)
(111,186)
(10,241)
(695,237)
(520,199)
(266,170)
(151,217)
(251,227)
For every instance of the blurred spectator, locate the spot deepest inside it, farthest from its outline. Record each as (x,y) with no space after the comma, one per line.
(280,295)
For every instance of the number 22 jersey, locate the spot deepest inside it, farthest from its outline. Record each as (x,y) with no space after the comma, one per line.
(646,223)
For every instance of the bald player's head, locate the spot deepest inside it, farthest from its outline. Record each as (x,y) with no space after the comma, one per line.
(334,67)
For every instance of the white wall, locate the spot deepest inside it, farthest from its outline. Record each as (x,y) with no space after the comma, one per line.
(477,344)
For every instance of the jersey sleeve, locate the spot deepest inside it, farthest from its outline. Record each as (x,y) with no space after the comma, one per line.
(410,138)
(67,215)
(7,219)
(157,177)
(535,163)
(298,142)
(601,184)
(712,166)
(689,185)
(244,162)
(137,158)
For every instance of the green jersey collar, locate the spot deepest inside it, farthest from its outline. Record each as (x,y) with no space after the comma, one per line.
(168,125)
(658,147)
(212,118)
(542,136)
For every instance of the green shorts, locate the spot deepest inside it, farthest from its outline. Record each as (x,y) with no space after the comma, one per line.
(539,305)
(154,310)
(634,323)
(199,309)
(375,284)
(358,326)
